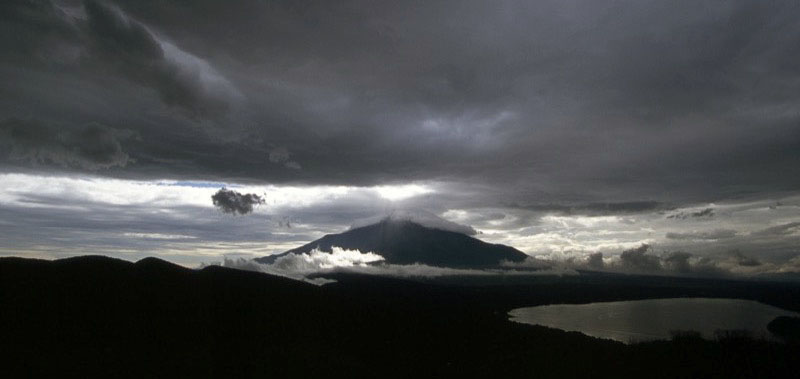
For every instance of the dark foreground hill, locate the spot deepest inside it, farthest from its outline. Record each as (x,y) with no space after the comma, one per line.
(96,316)
(406,242)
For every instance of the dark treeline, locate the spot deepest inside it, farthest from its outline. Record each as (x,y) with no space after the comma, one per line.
(92,316)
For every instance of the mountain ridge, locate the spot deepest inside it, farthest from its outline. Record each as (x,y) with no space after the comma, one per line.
(407,242)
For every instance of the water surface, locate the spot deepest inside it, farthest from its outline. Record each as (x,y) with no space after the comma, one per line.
(643,320)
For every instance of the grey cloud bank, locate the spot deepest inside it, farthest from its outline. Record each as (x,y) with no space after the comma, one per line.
(564,128)
(642,102)
(91,147)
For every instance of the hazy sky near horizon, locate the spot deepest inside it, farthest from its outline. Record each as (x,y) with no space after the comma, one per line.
(563,128)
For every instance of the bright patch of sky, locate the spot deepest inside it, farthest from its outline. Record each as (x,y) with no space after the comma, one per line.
(58,216)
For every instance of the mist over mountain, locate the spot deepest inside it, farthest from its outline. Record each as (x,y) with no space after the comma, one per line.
(401,241)
(423,218)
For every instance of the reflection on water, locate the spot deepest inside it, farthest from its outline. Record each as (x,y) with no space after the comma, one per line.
(642,320)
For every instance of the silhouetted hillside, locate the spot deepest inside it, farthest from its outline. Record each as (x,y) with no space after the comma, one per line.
(405,242)
(97,316)
(787,328)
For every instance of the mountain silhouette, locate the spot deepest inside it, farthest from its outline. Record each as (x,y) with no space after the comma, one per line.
(407,242)
(96,316)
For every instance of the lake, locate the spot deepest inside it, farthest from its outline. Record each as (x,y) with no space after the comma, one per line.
(654,319)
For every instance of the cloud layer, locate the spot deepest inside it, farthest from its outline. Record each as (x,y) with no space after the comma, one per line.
(732,264)
(563,128)
(546,104)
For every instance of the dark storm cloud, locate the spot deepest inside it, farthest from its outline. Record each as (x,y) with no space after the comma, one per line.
(683,263)
(595,261)
(128,48)
(230,201)
(637,259)
(585,105)
(678,261)
(673,263)
(744,260)
(91,146)
(97,39)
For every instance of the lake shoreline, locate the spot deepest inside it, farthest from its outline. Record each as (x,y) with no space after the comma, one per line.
(633,321)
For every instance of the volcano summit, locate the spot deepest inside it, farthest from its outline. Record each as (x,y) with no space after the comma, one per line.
(404,241)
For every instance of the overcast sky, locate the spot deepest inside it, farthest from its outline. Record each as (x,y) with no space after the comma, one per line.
(563,128)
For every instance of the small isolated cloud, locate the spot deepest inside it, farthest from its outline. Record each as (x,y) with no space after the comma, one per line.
(92,146)
(316,260)
(708,212)
(230,201)
(703,213)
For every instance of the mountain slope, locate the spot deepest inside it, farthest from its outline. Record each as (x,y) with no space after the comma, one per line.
(406,242)
(103,317)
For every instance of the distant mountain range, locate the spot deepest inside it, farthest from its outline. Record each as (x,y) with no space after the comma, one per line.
(406,242)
